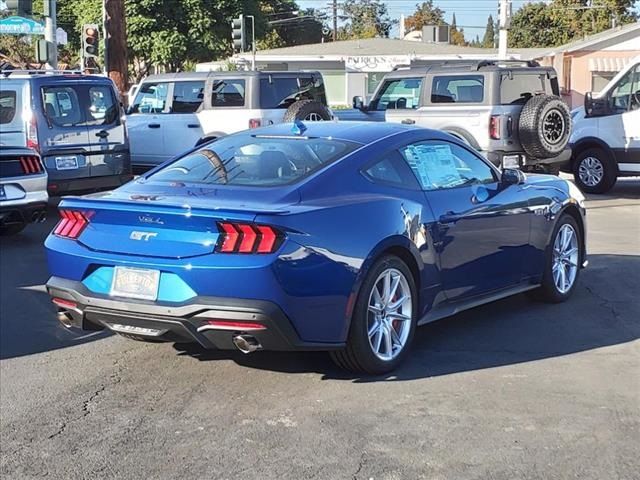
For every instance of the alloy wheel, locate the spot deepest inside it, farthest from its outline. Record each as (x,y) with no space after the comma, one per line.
(553,126)
(565,258)
(591,171)
(389,314)
(313,117)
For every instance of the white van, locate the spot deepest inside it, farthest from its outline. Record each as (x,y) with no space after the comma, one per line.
(606,133)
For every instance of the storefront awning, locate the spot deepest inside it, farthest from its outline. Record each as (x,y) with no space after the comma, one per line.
(608,64)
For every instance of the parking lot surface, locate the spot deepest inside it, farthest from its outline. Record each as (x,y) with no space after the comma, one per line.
(514,389)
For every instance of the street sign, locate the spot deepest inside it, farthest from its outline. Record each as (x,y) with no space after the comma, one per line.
(20,26)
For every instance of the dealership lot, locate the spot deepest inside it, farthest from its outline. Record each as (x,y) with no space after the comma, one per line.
(514,389)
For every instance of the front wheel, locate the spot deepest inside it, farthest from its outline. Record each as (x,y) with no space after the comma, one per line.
(384,320)
(562,262)
(595,171)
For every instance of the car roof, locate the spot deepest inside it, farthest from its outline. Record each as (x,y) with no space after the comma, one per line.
(358,132)
(465,66)
(42,75)
(187,76)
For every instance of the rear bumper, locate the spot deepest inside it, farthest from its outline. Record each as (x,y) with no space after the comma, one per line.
(88,184)
(181,322)
(35,209)
(559,161)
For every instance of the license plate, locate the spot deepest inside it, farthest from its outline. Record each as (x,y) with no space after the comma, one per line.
(135,283)
(66,163)
(3,194)
(511,161)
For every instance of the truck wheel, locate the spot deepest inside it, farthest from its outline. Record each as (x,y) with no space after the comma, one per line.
(595,171)
(307,110)
(544,126)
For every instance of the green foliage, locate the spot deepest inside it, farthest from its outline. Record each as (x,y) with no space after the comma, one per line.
(426,14)
(489,39)
(365,19)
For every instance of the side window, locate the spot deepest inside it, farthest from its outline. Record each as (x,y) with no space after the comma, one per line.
(187,97)
(400,93)
(151,98)
(7,106)
(457,89)
(103,109)
(517,89)
(228,93)
(625,95)
(61,106)
(393,170)
(440,165)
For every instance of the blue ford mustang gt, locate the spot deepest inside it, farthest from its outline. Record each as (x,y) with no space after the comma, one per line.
(329,236)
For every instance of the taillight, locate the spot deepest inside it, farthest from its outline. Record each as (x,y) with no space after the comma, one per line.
(494,127)
(32,134)
(71,224)
(254,123)
(30,165)
(247,238)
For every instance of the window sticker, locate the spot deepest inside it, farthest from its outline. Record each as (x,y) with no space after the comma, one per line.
(434,165)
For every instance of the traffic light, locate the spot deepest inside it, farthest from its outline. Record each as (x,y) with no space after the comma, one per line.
(23,8)
(90,41)
(239,35)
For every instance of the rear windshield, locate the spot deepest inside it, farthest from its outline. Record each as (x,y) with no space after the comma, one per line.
(7,106)
(254,161)
(80,105)
(518,89)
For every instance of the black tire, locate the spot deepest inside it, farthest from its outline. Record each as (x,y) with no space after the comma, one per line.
(303,109)
(358,355)
(12,229)
(544,126)
(548,292)
(609,170)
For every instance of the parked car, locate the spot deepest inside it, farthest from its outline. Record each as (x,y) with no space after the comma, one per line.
(509,111)
(330,236)
(606,134)
(74,121)
(23,189)
(174,112)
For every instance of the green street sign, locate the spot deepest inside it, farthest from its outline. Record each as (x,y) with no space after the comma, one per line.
(20,26)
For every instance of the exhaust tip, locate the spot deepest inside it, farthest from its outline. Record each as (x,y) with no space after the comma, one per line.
(246,343)
(65,319)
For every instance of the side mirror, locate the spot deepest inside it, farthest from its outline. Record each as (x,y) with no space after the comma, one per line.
(513,176)
(358,103)
(595,107)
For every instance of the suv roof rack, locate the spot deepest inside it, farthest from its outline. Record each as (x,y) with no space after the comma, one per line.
(7,73)
(497,63)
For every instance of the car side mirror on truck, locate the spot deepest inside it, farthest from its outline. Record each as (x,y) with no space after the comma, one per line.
(595,107)
(358,103)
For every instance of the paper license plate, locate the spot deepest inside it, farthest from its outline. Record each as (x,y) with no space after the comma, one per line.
(511,161)
(3,194)
(66,163)
(135,283)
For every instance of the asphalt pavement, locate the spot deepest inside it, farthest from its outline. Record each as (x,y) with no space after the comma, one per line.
(510,390)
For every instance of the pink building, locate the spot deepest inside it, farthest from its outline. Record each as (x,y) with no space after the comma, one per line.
(587,65)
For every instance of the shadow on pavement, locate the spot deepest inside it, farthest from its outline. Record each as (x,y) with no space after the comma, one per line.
(604,311)
(27,317)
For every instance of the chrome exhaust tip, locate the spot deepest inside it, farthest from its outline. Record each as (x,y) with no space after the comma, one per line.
(65,319)
(246,343)
(43,217)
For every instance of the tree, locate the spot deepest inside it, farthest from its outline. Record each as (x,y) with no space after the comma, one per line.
(457,36)
(489,39)
(426,14)
(365,19)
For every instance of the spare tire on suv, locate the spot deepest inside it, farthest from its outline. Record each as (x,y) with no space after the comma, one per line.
(545,126)
(309,110)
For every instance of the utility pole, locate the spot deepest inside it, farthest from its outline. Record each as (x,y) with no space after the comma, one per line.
(115,44)
(50,34)
(504,24)
(335,20)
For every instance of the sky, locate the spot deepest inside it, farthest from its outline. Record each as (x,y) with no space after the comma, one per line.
(470,14)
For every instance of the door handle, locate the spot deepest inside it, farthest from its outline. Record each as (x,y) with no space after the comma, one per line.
(408,121)
(154,125)
(193,125)
(102,134)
